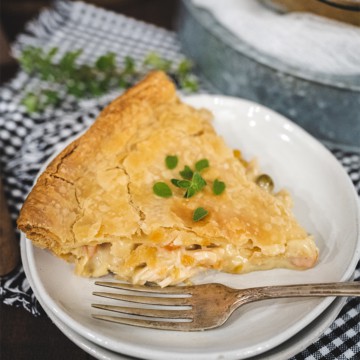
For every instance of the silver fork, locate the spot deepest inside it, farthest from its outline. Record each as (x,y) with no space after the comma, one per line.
(201,307)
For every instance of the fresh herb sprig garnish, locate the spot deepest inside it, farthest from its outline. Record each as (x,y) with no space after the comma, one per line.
(193,186)
(192,182)
(66,76)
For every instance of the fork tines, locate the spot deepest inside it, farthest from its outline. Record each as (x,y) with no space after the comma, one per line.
(147,312)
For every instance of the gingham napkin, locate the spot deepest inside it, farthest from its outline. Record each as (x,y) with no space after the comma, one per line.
(26,142)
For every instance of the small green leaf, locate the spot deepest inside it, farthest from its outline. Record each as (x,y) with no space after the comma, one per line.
(31,102)
(106,62)
(51,97)
(52,53)
(154,61)
(187,173)
(67,63)
(201,164)
(130,68)
(171,161)
(161,189)
(199,214)
(189,83)
(190,192)
(184,67)
(123,83)
(218,187)
(175,182)
(30,58)
(184,184)
(77,89)
(198,182)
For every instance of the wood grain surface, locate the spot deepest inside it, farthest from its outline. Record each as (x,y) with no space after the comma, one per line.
(9,246)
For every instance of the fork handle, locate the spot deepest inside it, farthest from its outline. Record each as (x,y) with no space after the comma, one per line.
(351,288)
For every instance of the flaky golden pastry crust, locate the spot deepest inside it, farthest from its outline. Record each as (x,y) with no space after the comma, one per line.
(94,204)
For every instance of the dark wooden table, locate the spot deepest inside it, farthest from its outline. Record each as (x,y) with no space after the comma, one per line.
(23,336)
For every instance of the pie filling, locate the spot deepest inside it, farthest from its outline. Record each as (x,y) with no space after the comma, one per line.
(172,264)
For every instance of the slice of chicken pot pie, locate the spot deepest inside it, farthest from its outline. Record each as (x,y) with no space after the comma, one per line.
(151,193)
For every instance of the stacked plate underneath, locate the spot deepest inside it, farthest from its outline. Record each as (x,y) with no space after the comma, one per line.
(325,203)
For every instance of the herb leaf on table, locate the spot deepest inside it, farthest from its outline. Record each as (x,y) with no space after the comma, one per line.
(67,76)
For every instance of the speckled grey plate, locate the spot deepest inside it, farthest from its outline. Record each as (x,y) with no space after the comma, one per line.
(328,106)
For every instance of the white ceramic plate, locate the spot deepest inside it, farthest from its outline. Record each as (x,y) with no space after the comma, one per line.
(286,350)
(325,204)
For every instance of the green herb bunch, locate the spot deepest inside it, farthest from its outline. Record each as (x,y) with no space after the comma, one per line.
(191,181)
(83,81)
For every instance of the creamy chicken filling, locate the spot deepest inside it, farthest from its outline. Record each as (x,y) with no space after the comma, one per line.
(169,265)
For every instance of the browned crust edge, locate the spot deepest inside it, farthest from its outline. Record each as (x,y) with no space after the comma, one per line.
(34,220)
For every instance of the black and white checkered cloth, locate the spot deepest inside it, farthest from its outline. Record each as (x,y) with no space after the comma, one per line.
(27,141)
